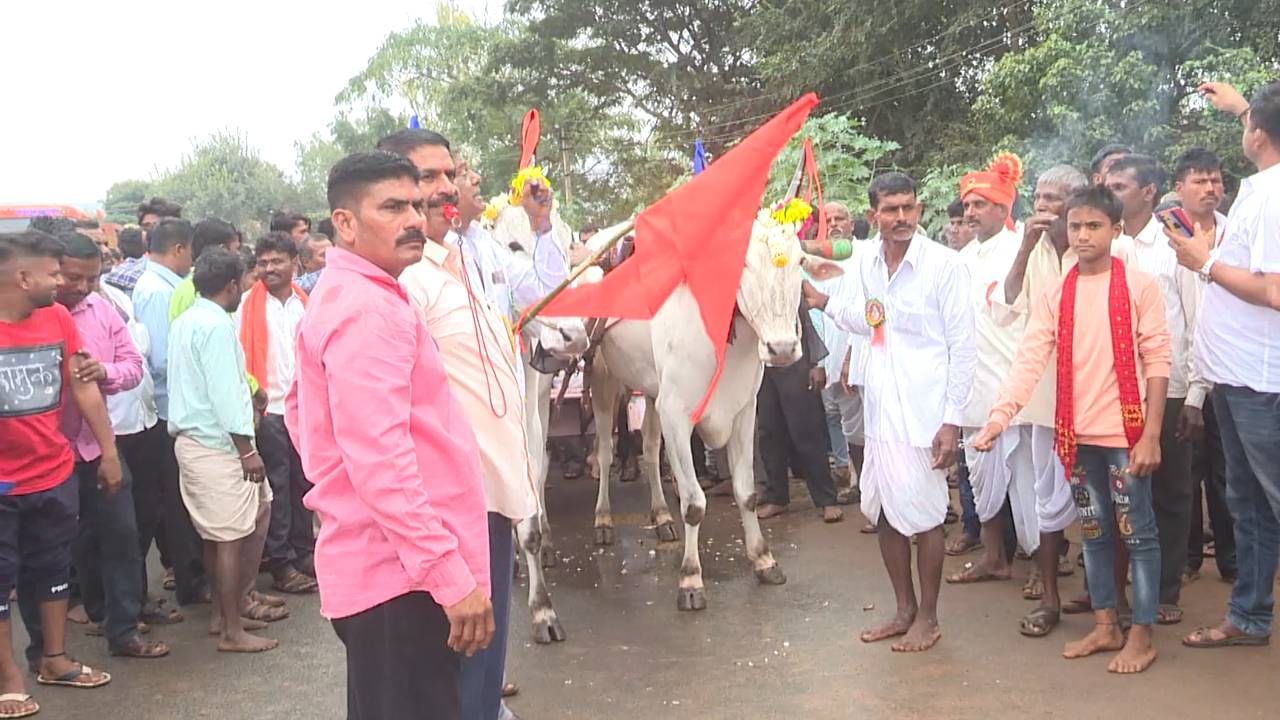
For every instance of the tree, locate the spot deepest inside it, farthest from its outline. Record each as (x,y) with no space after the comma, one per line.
(347,134)
(123,199)
(1095,72)
(847,160)
(224,177)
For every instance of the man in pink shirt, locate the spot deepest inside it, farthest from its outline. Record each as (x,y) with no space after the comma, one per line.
(1107,323)
(403,552)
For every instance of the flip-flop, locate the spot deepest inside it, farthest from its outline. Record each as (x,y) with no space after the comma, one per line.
(1200,639)
(22,698)
(970,545)
(136,647)
(1077,607)
(1039,622)
(264,613)
(1168,614)
(72,679)
(963,578)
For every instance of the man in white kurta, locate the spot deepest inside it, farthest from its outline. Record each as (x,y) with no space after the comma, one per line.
(918,375)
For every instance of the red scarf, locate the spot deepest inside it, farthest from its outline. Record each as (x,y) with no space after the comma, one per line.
(1118,312)
(253,330)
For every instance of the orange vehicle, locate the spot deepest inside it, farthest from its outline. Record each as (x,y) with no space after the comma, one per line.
(16,218)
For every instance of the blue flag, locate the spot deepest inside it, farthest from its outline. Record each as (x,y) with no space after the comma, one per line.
(414,124)
(699,157)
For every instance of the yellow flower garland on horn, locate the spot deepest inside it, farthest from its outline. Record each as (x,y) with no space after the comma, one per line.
(522,178)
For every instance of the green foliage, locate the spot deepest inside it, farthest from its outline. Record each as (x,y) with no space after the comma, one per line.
(937,189)
(224,177)
(846,160)
(123,199)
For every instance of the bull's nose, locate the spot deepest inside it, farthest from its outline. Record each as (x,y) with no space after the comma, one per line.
(780,348)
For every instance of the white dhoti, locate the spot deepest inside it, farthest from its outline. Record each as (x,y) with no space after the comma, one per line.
(899,480)
(1055,506)
(1007,471)
(222,504)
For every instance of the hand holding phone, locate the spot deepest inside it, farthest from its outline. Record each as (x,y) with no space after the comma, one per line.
(1177,221)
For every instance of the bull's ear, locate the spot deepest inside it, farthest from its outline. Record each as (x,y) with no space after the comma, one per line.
(820,268)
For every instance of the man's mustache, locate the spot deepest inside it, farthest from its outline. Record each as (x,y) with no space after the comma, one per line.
(412,235)
(436,202)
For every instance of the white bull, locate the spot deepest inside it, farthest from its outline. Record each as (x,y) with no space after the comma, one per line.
(671,361)
(565,339)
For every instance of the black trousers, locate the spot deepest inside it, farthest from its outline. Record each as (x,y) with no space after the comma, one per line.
(792,427)
(1171,497)
(185,547)
(398,665)
(290,537)
(138,455)
(1209,487)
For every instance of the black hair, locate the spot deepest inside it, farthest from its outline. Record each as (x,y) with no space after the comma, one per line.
(1196,159)
(890,183)
(52,225)
(1097,197)
(160,207)
(215,269)
(403,142)
(325,227)
(211,233)
(1264,111)
(131,243)
(353,174)
(861,228)
(956,209)
(247,257)
(29,244)
(283,221)
(306,249)
(79,246)
(168,233)
(1105,152)
(277,241)
(1145,170)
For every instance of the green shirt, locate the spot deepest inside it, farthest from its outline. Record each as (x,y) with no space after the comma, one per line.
(209,400)
(184,296)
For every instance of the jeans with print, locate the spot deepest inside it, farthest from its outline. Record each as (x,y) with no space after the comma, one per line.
(1109,499)
(1250,426)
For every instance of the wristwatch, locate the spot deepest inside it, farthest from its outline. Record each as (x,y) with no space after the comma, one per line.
(1204,269)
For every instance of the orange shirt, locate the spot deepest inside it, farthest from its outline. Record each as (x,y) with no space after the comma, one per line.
(1097,394)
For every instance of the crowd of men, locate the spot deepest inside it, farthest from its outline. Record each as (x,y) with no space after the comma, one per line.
(221,402)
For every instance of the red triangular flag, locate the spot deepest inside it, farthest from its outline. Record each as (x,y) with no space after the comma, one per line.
(697,234)
(815,183)
(530,132)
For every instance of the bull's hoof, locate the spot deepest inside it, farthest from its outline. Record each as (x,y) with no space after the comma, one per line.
(548,558)
(604,535)
(691,599)
(771,575)
(546,632)
(666,532)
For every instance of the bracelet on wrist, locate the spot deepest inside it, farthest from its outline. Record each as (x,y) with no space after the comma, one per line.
(248,455)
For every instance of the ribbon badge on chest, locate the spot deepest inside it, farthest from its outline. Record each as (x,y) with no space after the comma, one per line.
(875,320)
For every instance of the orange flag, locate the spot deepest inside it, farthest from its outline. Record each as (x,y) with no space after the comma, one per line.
(697,235)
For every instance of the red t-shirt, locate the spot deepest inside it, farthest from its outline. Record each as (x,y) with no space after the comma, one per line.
(35,361)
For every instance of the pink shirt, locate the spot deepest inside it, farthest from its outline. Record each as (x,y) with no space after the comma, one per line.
(396,472)
(106,338)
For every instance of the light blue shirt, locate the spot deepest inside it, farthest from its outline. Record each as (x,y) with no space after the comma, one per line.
(509,281)
(210,398)
(151,298)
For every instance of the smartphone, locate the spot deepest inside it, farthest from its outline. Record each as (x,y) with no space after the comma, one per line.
(1177,221)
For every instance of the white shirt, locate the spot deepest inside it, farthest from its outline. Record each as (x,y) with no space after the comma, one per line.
(840,342)
(1181,292)
(996,343)
(1238,343)
(282,331)
(920,377)
(132,411)
(509,281)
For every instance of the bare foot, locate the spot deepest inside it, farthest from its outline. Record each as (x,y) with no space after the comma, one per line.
(249,625)
(1137,655)
(246,643)
(1103,638)
(923,635)
(899,625)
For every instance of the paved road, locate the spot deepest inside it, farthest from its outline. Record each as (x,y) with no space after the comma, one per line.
(756,652)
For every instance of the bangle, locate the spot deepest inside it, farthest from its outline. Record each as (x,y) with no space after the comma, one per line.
(249,454)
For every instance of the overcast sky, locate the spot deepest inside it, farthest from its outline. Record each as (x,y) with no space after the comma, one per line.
(95,92)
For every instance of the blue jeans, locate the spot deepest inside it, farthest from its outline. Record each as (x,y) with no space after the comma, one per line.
(968,511)
(835,428)
(1108,498)
(480,683)
(1250,426)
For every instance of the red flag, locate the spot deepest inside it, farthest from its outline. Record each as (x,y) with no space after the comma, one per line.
(697,234)
(530,132)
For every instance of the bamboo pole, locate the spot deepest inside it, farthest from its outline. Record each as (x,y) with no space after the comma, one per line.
(577,272)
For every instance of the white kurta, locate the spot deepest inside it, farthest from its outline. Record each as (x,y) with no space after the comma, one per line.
(917,379)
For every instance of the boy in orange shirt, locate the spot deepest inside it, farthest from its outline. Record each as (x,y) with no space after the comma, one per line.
(1108,324)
